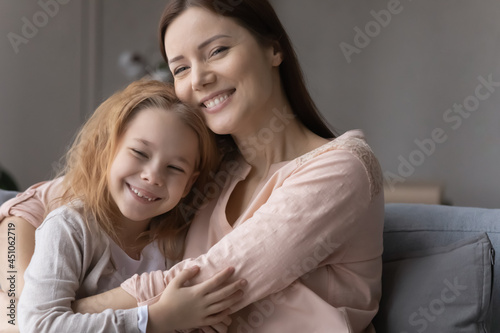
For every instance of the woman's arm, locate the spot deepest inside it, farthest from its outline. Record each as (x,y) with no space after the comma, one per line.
(17,242)
(17,239)
(19,217)
(313,216)
(33,204)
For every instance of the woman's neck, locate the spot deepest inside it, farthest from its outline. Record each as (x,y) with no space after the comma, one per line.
(274,135)
(282,138)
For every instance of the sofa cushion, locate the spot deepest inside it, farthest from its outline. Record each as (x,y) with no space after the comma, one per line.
(445,289)
(6,195)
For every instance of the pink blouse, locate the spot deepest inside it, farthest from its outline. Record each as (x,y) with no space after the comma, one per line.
(32,205)
(309,244)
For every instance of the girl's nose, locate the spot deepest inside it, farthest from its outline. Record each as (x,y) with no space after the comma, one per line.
(152,175)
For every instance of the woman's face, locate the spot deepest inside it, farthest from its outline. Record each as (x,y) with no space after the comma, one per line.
(154,166)
(219,67)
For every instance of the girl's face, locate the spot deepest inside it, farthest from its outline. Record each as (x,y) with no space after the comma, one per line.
(220,67)
(154,166)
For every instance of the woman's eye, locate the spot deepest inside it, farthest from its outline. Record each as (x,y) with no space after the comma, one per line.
(218,50)
(180,70)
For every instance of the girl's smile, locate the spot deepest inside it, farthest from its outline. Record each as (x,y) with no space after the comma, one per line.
(154,166)
(142,195)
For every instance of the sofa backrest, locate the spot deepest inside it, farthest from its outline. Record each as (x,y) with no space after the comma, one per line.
(415,227)
(6,195)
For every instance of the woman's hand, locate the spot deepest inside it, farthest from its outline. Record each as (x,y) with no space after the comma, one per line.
(200,305)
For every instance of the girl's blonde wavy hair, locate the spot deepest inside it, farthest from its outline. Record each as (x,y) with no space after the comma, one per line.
(88,161)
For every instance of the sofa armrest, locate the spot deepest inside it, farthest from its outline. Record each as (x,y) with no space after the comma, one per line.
(6,195)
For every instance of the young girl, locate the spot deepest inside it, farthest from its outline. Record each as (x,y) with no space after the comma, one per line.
(131,164)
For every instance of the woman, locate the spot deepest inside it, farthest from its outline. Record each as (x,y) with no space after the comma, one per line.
(299,214)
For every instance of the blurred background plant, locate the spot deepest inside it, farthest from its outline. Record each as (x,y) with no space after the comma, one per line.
(135,66)
(6,181)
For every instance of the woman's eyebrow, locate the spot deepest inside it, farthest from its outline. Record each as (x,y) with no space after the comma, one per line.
(210,40)
(175,59)
(202,45)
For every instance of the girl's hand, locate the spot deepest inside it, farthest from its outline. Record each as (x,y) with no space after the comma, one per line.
(204,304)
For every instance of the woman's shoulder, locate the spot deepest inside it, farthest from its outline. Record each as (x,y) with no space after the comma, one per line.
(352,141)
(352,146)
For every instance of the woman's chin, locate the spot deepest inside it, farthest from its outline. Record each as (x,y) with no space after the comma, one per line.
(220,129)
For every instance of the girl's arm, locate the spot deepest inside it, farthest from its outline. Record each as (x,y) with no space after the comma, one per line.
(115,299)
(59,268)
(209,301)
(19,217)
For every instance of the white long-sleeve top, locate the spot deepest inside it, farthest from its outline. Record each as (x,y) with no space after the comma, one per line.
(70,262)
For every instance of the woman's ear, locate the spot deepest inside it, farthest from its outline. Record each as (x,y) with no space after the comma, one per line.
(277,54)
(190,183)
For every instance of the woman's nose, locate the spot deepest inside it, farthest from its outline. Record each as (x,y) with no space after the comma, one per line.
(201,76)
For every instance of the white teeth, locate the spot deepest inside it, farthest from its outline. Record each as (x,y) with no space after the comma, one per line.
(216,101)
(140,195)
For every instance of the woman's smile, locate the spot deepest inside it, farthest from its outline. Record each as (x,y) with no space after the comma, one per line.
(217,101)
(222,66)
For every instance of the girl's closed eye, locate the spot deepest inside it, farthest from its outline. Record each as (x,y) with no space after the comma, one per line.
(138,153)
(176,168)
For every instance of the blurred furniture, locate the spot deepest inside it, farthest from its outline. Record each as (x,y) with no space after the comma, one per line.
(413,192)
(6,195)
(6,181)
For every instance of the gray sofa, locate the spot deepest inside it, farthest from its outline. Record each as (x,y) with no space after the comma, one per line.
(438,269)
(439,273)
(6,195)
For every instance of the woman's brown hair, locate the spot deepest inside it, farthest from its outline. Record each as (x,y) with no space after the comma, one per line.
(259,17)
(89,159)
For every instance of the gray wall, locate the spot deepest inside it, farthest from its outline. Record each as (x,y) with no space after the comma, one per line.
(41,85)
(401,86)
(58,61)
(398,87)
(127,25)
